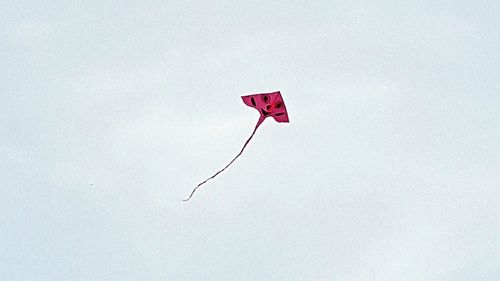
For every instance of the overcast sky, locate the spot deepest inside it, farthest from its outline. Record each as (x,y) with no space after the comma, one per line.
(112,111)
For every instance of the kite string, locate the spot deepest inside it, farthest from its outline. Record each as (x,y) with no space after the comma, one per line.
(220,171)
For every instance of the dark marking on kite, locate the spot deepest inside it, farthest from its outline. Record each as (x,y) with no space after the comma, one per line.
(279,114)
(253,101)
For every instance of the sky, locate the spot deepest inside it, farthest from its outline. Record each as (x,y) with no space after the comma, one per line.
(112,111)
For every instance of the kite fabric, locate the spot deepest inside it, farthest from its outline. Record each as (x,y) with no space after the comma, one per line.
(268,104)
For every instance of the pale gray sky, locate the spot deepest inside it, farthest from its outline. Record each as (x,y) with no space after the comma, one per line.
(112,111)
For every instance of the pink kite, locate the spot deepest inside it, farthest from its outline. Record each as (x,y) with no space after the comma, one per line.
(268,104)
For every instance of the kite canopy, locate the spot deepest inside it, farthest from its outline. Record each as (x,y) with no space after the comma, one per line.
(268,104)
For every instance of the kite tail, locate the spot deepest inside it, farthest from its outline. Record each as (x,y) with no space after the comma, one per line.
(241,151)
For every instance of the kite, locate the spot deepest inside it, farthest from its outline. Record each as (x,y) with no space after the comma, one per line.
(268,104)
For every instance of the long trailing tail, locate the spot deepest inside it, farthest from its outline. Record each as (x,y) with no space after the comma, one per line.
(220,171)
